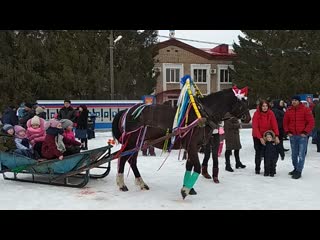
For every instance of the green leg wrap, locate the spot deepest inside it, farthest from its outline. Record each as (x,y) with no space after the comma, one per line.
(186,178)
(192,180)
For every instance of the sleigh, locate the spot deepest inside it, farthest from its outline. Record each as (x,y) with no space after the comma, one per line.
(73,171)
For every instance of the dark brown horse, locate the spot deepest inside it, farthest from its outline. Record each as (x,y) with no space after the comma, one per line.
(154,121)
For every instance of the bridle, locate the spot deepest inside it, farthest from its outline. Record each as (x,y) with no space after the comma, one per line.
(214,119)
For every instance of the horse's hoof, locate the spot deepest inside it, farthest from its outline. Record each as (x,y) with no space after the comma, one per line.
(145,187)
(185,192)
(216,180)
(124,189)
(192,192)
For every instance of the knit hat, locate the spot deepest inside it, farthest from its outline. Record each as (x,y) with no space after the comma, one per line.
(29,105)
(6,127)
(66,123)
(39,110)
(18,128)
(53,123)
(35,120)
(296,97)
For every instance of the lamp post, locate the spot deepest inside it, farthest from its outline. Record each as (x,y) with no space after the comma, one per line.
(111,61)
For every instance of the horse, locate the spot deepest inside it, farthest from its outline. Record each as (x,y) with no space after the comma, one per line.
(154,121)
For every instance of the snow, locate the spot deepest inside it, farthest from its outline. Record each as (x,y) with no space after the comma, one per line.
(242,189)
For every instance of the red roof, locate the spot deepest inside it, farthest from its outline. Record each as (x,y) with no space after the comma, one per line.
(221,51)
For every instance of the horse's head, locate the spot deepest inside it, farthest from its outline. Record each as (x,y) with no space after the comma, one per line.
(240,109)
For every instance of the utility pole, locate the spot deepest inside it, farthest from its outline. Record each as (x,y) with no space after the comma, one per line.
(111,65)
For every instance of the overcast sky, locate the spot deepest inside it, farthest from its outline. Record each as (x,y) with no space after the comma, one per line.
(216,36)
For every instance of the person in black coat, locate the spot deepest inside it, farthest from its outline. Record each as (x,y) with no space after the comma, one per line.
(67,112)
(29,113)
(279,113)
(82,126)
(212,147)
(271,153)
(9,116)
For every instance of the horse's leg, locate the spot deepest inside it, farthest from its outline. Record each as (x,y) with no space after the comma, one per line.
(120,178)
(189,169)
(191,178)
(138,179)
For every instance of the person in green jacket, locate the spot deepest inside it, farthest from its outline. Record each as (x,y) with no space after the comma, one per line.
(7,143)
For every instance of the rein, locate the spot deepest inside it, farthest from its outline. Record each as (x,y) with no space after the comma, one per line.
(212,119)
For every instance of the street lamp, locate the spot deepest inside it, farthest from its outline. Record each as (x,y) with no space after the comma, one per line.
(112,42)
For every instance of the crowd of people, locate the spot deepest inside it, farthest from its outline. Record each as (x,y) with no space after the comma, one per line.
(272,123)
(26,131)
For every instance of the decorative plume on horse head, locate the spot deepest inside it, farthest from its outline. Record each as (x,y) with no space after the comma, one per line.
(240,93)
(179,127)
(185,101)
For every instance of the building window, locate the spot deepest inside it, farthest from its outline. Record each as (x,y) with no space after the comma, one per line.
(172,101)
(172,75)
(224,76)
(200,75)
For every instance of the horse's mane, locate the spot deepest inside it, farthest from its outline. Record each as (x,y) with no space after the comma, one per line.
(217,96)
(218,103)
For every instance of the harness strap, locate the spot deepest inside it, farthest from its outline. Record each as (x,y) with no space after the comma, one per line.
(137,112)
(175,132)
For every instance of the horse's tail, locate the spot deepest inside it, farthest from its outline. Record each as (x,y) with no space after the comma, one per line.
(116,132)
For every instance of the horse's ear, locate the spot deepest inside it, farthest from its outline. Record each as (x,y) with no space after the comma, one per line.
(240,93)
(244,91)
(235,88)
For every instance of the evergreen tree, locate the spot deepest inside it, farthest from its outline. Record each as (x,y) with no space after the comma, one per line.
(62,64)
(277,63)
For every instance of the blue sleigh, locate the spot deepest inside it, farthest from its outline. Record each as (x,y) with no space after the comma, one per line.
(72,171)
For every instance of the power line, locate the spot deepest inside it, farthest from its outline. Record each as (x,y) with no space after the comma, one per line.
(193,40)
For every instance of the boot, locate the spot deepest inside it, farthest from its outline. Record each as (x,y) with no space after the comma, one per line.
(151,151)
(215,173)
(292,172)
(228,165)
(144,152)
(258,163)
(296,175)
(229,168)
(204,172)
(238,162)
(240,165)
(86,144)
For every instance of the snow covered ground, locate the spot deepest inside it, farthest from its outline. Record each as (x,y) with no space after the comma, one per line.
(242,189)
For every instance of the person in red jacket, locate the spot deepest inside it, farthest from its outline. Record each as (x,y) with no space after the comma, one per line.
(263,120)
(53,146)
(298,122)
